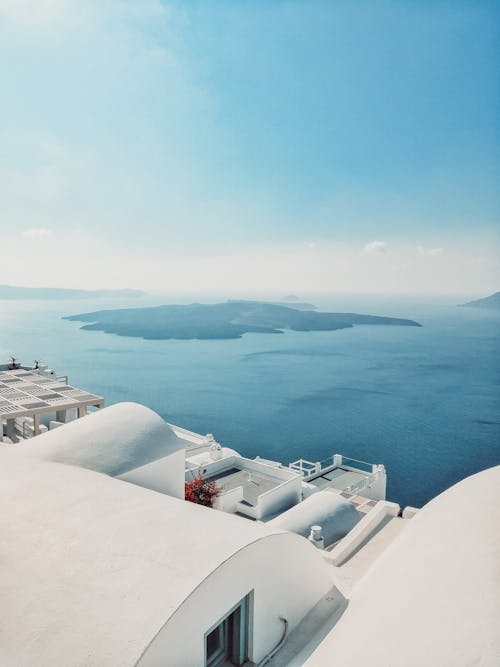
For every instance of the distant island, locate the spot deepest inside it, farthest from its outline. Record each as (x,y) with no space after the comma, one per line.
(297,305)
(221,320)
(42,293)
(492,302)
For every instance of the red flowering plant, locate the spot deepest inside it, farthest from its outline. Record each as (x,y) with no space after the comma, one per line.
(201,491)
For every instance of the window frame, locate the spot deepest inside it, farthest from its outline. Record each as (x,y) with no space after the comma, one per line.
(242,632)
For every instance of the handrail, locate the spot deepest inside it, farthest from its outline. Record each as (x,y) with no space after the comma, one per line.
(308,468)
(326,463)
(361,485)
(346,460)
(303,466)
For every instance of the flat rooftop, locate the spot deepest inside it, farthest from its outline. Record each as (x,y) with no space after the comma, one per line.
(234,477)
(339,478)
(24,392)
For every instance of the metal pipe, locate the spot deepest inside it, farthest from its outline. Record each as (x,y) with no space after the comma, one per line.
(278,645)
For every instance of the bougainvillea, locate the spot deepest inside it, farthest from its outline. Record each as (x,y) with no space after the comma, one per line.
(201,491)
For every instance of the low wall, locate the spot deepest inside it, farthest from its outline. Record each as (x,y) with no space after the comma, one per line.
(361,531)
(165,475)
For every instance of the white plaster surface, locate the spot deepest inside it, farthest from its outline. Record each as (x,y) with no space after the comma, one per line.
(336,516)
(352,570)
(113,440)
(274,571)
(361,531)
(432,598)
(92,568)
(166,475)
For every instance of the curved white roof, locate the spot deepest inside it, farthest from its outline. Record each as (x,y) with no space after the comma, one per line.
(93,567)
(433,597)
(113,440)
(336,516)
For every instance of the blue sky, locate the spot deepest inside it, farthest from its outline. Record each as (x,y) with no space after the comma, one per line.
(266,145)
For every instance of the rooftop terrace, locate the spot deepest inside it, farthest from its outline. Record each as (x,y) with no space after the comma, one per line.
(234,477)
(25,392)
(29,393)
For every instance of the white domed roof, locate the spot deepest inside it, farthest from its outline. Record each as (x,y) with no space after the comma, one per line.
(94,568)
(113,440)
(433,597)
(336,516)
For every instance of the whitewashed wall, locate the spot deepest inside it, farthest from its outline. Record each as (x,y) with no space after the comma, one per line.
(377,490)
(287,576)
(165,475)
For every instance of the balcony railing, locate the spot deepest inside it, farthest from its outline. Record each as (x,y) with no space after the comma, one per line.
(359,487)
(309,468)
(359,465)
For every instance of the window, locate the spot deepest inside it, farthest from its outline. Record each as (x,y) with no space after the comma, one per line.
(227,642)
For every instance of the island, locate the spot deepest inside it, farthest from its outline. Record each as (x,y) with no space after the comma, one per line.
(226,320)
(492,302)
(298,305)
(14,292)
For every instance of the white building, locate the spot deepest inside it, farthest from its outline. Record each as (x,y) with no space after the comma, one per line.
(127,441)
(103,564)
(34,399)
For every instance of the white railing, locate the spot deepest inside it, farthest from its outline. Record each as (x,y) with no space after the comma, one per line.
(310,469)
(355,489)
(305,468)
(358,465)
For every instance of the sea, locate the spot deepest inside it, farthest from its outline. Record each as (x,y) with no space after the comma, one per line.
(423,401)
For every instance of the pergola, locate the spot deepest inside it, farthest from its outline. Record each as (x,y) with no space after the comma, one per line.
(28,393)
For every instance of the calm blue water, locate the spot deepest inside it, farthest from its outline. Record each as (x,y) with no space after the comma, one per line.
(423,401)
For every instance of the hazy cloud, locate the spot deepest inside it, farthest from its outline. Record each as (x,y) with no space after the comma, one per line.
(37,233)
(119,111)
(375,247)
(429,252)
(34,13)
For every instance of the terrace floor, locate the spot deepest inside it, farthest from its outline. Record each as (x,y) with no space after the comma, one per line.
(339,478)
(234,477)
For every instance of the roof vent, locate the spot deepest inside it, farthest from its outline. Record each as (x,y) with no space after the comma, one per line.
(216,452)
(316,537)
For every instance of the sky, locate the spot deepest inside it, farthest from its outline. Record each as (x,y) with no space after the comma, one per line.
(251,145)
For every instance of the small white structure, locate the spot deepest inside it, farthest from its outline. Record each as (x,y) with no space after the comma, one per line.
(249,487)
(35,394)
(350,476)
(335,516)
